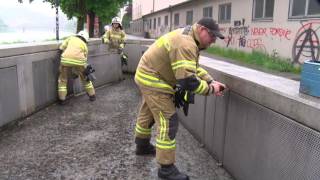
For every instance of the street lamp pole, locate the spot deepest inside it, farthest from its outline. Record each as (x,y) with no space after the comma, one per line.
(57,19)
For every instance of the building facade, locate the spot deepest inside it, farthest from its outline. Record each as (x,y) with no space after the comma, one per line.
(286,28)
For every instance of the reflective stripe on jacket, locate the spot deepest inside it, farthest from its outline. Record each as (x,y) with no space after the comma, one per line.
(171,60)
(115,38)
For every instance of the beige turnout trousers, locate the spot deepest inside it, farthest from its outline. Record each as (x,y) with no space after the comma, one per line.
(158,108)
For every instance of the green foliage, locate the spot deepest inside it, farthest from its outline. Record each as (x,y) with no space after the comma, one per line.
(256,58)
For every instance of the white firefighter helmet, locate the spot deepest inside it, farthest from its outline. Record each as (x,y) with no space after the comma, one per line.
(116,20)
(84,34)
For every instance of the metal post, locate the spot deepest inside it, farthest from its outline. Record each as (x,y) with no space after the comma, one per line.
(57,19)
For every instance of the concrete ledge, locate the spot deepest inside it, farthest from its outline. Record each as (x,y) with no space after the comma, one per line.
(277,93)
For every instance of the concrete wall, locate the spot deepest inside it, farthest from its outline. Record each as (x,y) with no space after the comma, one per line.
(134,49)
(262,128)
(29,72)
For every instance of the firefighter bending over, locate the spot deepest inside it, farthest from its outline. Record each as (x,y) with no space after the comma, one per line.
(74,62)
(171,64)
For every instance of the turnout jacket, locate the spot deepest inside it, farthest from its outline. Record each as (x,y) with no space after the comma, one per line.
(173,60)
(115,38)
(75,52)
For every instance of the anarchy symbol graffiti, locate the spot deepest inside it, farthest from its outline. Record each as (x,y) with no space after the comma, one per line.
(306,45)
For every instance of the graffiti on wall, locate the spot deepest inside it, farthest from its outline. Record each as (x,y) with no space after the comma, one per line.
(241,36)
(273,32)
(254,37)
(306,45)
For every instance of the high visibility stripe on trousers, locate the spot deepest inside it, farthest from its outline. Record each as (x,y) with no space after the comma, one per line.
(141,130)
(62,88)
(88,85)
(163,141)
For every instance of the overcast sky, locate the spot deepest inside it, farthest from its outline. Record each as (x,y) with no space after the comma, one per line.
(35,14)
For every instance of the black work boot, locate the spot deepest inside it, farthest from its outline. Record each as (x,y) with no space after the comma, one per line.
(92,98)
(62,102)
(146,150)
(171,172)
(144,147)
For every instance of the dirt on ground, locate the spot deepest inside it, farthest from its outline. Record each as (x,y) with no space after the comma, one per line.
(93,141)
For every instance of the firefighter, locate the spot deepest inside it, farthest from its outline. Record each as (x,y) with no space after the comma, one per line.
(74,62)
(115,38)
(172,61)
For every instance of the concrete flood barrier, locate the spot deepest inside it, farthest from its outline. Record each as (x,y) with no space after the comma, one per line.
(29,72)
(261,129)
(134,49)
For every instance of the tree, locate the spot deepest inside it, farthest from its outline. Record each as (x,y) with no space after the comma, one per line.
(104,9)
(127,17)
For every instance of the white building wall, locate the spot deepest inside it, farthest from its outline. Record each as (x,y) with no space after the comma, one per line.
(143,7)
(278,36)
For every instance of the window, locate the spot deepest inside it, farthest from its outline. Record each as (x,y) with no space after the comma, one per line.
(154,23)
(189,18)
(166,21)
(207,12)
(224,13)
(159,21)
(304,8)
(150,25)
(263,9)
(176,19)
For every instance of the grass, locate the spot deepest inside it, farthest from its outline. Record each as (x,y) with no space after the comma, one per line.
(256,58)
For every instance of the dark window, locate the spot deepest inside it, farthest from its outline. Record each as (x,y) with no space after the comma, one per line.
(166,21)
(207,12)
(224,13)
(263,9)
(159,21)
(189,17)
(154,23)
(150,23)
(176,19)
(304,8)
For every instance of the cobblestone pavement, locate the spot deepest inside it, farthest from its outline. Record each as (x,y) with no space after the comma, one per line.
(93,140)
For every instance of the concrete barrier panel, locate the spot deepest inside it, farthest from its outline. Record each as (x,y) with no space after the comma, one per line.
(194,122)
(215,124)
(45,76)
(262,144)
(9,95)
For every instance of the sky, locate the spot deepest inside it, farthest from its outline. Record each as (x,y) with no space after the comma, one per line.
(37,14)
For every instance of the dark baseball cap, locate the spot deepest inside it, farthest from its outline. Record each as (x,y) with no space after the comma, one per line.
(211,25)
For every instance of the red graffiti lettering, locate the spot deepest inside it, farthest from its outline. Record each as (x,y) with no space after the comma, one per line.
(258,31)
(280,32)
(254,43)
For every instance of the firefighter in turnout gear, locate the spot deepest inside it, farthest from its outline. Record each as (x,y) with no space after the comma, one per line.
(171,62)
(74,62)
(115,38)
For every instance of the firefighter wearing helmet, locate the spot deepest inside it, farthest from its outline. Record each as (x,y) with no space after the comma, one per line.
(115,38)
(74,61)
